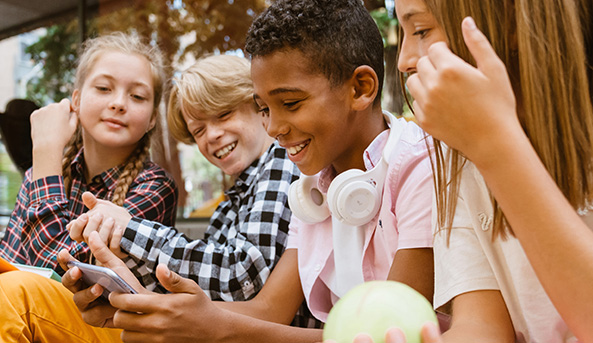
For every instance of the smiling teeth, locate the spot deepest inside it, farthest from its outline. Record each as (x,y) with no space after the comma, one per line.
(293,150)
(226,150)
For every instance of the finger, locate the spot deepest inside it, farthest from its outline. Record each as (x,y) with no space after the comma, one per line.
(395,335)
(114,244)
(363,338)
(76,227)
(105,229)
(93,225)
(72,280)
(89,200)
(175,283)
(425,70)
(486,59)
(430,333)
(63,258)
(135,303)
(100,315)
(104,256)
(85,297)
(415,87)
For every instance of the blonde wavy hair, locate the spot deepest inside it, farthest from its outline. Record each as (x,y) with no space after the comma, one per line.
(212,85)
(541,43)
(91,52)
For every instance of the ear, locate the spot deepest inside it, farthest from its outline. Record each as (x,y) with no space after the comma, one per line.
(76,100)
(365,86)
(152,123)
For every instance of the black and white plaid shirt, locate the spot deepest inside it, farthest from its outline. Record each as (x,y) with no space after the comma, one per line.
(245,238)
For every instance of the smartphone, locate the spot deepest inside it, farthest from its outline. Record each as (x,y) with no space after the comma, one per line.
(107,278)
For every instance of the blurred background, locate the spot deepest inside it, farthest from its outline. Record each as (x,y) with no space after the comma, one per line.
(39,40)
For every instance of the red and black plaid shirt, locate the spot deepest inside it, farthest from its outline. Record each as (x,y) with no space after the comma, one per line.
(37,227)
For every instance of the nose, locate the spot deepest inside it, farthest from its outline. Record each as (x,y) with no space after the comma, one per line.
(214,131)
(118,103)
(275,126)
(408,57)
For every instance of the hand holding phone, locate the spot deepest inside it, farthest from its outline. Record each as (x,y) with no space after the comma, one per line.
(107,278)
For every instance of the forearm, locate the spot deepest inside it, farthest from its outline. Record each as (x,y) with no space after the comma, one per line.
(219,269)
(554,237)
(246,329)
(47,160)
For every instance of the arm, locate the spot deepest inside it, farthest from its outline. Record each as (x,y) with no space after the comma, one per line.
(187,314)
(244,241)
(480,316)
(415,268)
(485,127)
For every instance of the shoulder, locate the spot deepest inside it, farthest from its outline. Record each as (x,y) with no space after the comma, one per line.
(276,162)
(153,172)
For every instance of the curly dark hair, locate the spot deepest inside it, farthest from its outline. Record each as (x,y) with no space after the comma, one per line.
(337,36)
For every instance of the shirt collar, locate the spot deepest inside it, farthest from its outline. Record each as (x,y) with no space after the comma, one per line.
(371,156)
(108,177)
(250,174)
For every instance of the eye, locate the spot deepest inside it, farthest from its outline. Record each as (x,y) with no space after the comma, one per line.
(138,97)
(292,105)
(224,115)
(264,111)
(421,33)
(198,132)
(102,88)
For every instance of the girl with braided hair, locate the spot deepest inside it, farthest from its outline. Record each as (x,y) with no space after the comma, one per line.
(98,142)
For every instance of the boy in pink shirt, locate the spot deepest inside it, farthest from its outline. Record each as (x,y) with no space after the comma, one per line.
(317,69)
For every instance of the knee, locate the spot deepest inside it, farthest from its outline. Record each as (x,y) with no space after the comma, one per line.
(23,284)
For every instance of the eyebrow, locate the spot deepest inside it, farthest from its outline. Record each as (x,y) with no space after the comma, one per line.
(412,13)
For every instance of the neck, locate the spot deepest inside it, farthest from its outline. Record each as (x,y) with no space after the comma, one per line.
(98,159)
(366,127)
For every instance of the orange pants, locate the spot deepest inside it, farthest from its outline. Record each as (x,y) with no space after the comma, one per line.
(34,308)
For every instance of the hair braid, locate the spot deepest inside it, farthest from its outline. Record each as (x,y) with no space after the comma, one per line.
(72,148)
(134,165)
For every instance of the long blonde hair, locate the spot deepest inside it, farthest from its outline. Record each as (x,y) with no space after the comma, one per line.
(92,50)
(541,43)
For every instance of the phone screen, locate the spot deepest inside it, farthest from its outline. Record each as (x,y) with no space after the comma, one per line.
(107,278)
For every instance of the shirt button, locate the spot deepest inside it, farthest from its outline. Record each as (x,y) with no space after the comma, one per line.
(317,267)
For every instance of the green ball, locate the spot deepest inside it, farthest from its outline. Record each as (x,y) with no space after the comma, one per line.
(375,306)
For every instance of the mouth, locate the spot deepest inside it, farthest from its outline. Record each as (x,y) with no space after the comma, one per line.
(225,151)
(294,150)
(114,122)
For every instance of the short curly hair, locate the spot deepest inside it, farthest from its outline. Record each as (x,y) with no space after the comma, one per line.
(337,36)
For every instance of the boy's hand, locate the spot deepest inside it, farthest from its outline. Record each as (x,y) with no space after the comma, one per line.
(472,109)
(95,311)
(430,334)
(185,315)
(104,217)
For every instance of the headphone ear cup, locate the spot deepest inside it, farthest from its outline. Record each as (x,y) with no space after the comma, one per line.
(306,201)
(352,198)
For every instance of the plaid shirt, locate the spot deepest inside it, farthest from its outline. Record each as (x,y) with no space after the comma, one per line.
(37,227)
(244,240)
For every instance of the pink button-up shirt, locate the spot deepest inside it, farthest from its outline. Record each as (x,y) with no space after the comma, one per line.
(403,221)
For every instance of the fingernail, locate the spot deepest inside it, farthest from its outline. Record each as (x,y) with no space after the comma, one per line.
(95,290)
(431,331)
(471,24)
(395,335)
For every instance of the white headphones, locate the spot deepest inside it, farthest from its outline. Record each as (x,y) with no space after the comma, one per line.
(353,197)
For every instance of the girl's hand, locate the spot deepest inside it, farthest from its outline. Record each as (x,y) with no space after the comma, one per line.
(108,219)
(471,109)
(430,334)
(53,125)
